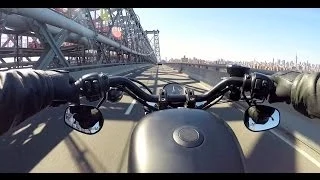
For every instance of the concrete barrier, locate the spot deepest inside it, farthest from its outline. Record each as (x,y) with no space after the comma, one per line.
(305,129)
(216,67)
(210,75)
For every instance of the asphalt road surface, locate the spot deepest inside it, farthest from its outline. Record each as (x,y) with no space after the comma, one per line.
(43,143)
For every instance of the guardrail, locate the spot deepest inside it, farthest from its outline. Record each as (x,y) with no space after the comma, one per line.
(219,67)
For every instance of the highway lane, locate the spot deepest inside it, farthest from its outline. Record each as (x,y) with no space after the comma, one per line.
(48,145)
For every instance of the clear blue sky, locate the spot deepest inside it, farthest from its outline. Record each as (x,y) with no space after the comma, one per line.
(235,34)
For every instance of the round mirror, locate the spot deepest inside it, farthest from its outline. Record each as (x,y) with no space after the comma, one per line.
(83,118)
(260,118)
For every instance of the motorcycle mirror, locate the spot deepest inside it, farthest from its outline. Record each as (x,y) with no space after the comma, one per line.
(260,118)
(83,118)
(114,95)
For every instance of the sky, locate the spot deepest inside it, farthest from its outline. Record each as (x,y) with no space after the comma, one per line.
(235,34)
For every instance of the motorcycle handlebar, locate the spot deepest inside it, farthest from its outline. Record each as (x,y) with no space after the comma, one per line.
(94,85)
(118,80)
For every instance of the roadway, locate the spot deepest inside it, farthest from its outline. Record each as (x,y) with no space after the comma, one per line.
(43,143)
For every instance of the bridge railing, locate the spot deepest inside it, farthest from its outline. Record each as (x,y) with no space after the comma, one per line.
(218,67)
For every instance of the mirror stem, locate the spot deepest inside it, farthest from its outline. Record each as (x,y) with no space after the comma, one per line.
(104,98)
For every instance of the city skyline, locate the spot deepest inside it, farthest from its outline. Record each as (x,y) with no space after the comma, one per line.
(295,60)
(274,65)
(236,34)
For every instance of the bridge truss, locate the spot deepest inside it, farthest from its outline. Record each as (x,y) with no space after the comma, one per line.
(46,38)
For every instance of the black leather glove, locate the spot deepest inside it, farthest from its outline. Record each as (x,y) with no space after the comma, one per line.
(64,89)
(305,95)
(283,83)
(299,89)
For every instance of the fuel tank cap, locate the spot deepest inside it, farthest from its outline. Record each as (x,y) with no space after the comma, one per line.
(188,136)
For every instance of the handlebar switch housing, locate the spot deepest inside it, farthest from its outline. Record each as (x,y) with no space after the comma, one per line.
(191,99)
(260,86)
(163,103)
(93,86)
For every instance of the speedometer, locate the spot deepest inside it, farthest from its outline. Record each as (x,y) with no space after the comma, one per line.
(174,89)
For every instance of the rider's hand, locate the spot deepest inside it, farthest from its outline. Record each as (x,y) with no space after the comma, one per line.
(299,89)
(283,83)
(64,89)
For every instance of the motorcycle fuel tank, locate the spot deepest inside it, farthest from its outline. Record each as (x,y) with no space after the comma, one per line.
(184,141)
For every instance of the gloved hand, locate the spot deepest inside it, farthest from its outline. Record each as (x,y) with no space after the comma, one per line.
(283,83)
(64,89)
(299,89)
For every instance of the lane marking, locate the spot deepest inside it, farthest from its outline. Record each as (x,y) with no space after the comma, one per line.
(302,152)
(128,74)
(204,86)
(128,111)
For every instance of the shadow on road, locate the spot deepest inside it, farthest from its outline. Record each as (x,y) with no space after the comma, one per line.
(229,114)
(269,154)
(22,149)
(116,111)
(86,161)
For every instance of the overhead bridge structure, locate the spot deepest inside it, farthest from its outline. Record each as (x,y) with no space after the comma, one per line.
(69,38)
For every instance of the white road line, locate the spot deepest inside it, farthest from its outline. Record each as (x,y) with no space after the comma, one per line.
(302,152)
(130,107)
(128,74)
(204,86)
